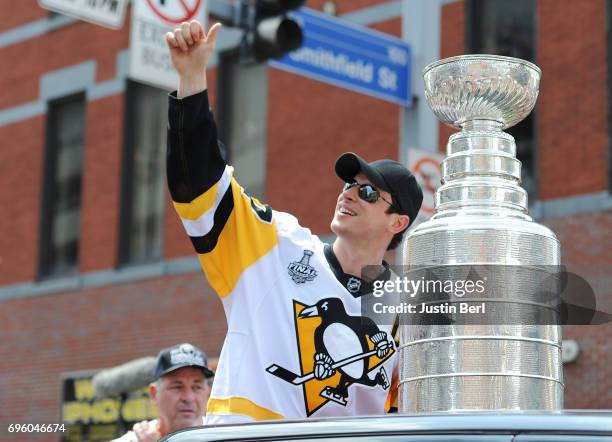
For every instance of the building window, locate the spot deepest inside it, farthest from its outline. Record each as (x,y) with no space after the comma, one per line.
(143,175)
(503,27)
(61,213)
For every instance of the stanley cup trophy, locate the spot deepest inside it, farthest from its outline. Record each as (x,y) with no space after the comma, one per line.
(481,218)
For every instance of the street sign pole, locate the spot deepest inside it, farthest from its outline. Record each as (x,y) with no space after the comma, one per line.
(421,28)
(230,14)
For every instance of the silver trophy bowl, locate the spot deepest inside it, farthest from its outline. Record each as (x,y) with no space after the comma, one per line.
(481,87)
(481,219)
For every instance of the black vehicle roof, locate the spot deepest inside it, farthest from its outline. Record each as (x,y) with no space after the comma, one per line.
(570,422)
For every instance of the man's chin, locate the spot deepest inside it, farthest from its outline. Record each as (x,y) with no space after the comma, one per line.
(336,226)
(186,420)
(341,227)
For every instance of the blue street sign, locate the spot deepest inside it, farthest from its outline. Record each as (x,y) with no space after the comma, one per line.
(350,56)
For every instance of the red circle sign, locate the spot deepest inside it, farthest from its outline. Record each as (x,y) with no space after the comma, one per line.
(428,180)
(186,14)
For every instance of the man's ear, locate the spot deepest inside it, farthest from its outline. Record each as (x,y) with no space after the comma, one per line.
(400,222)
(153,392)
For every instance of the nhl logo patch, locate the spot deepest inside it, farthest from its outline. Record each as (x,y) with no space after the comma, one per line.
(353,285)
(301,271)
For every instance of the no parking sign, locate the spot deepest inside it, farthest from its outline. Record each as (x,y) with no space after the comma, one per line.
(174,12)
(425,166)
(151,19)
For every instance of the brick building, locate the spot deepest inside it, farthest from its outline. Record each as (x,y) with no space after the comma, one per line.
(94,266)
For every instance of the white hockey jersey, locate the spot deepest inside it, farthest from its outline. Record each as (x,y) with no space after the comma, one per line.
(284,306)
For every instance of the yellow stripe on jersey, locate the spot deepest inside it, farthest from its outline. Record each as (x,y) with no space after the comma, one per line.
(242,406)
(194,209)
(392,399)
(246,237)
(208,200)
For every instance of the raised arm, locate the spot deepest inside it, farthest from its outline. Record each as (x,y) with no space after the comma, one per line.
(194,161)
(229,230)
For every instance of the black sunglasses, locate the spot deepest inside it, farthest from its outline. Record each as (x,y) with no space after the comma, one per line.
(367,192)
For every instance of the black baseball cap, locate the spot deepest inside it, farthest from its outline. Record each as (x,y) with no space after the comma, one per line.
(388,175)
(179,356)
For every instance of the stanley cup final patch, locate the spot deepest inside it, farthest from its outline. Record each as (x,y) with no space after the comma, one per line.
(301,271)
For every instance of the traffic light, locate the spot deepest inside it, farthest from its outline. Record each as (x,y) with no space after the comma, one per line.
(275,34)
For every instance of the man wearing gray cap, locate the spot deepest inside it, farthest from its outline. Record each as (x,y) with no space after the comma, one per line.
(180,391)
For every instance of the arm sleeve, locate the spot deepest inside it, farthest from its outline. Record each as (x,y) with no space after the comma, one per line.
(229,230)
(194,162)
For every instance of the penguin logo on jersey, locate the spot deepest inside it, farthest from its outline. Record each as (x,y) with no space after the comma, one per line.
(336,350)
(301,271)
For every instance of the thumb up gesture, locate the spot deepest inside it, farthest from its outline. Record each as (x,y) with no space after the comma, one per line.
(190,47)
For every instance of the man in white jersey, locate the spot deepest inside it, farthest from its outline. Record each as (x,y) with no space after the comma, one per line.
(296,344)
